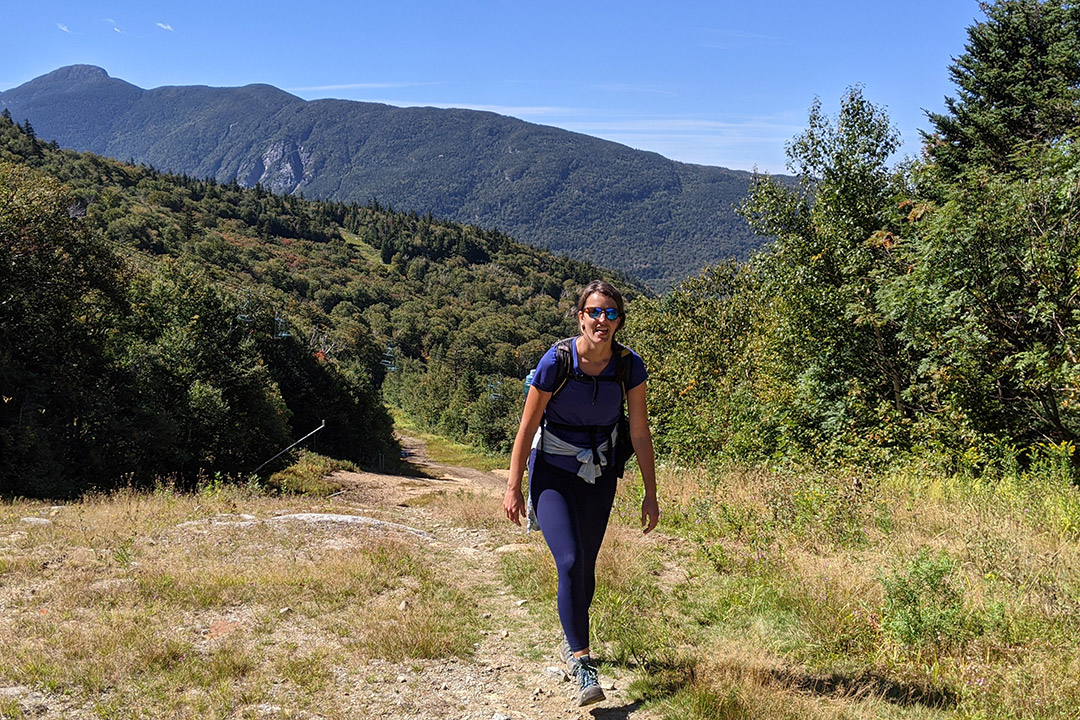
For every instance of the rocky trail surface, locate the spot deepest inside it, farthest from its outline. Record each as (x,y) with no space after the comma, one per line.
(499,682)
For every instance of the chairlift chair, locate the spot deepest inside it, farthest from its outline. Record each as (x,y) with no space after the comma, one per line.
(389,359)
(281,326)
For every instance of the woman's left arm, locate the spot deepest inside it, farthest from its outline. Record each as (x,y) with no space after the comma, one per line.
(641,437)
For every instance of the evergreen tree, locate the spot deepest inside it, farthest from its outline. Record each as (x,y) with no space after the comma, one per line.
(1017,82)
(992,300)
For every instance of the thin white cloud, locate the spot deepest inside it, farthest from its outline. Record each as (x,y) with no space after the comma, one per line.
(165,26)
(675,124)
(744,150)
(518,111)
(735,141)
(733,39)
(360,86)
(627,88)
(63,28)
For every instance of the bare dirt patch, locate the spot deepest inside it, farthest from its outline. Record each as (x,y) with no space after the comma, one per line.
(515,670)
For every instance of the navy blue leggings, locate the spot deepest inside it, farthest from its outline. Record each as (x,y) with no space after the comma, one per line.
(573,516)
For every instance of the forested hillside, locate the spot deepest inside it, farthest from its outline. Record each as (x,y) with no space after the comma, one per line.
(158,326)
(636,211)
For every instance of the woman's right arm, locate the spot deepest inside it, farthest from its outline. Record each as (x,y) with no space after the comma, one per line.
(514,501)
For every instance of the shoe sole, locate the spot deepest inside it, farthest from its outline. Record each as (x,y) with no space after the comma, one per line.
(591,695)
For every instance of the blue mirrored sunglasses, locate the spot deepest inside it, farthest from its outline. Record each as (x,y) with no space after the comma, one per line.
(595,313)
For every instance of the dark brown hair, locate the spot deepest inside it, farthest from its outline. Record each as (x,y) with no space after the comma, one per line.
(607,290)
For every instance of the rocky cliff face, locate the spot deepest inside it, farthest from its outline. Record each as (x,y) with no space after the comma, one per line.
(284,167)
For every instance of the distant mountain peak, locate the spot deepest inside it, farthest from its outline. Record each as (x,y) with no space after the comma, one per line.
(76,72)
(71,75)
(654,218)
(70,78)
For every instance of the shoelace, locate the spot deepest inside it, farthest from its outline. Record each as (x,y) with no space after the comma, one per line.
(586,672)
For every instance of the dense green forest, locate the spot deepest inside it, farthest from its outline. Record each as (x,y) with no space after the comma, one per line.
(641,213)
(928,310)
(155,325)
(159,326)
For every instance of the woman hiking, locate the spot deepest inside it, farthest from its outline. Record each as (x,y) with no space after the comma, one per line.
(569,437)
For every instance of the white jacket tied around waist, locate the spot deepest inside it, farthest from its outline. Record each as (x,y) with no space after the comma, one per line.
(588,471)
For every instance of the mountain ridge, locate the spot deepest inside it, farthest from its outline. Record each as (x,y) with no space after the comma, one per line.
(657,219)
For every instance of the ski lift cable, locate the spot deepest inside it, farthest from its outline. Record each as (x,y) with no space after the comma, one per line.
(290,447)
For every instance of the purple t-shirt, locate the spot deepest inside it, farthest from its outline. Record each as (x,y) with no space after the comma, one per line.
(583,401)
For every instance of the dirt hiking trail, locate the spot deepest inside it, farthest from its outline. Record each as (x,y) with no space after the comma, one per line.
(503,679)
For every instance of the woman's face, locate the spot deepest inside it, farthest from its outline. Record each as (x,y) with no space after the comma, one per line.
(599,329)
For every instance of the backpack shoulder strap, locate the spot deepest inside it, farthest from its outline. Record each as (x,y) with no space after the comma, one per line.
(623,358)
(564,361)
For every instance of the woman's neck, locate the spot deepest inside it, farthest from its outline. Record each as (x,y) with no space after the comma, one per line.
(593,354)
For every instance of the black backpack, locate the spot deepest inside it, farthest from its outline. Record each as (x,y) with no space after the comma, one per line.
(564,361)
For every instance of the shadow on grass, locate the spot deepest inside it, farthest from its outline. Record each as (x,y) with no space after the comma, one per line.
(669,678)
(664,678)
(869,685)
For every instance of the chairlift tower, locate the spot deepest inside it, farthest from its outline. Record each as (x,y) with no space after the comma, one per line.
(281,326)
(389,359)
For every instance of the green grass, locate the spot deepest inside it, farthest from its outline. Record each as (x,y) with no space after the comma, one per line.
(366,251)
(311,474)
(834,595)
(448,452)
(10,710)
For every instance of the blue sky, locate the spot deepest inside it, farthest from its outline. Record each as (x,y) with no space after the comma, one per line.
(717,83)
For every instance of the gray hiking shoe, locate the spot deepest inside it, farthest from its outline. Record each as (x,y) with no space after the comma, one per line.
(567,655)
(588,681)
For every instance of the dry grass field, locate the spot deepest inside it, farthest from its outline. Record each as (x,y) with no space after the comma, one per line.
(762,595)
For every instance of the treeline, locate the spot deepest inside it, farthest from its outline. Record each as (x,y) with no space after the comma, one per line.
(161,326)
(930,308)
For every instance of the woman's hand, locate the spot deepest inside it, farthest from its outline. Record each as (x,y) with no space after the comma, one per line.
(650,514)
(514,505)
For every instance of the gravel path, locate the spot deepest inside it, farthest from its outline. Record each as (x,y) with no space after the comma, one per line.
(504,679)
